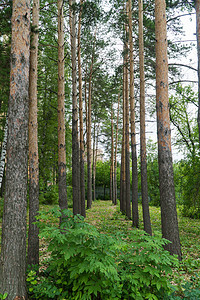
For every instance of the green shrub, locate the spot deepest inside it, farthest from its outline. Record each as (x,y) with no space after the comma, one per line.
(191,212)
(82,262)
(86,264)
(189,291)
(144,267)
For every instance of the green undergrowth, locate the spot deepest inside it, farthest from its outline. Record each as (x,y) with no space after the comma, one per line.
(107,221)
(85,263)
(185,277)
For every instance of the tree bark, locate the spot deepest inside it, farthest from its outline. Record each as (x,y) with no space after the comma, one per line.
(197,7)
(95,163)
(75,141)
(135,215)
(62,182)
(89,150)
(127,148)
(166,181)
(115,155)
(112,159)
(123,169)
(144,187)
(13,249)
(82,150)
(33,239)
(93,159)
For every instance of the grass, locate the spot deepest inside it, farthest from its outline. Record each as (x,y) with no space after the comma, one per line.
(108,219)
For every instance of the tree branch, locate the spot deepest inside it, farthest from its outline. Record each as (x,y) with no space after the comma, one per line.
(182,65)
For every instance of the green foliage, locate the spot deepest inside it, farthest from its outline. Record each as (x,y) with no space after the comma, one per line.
(183,110)
(82,261)
(49,194)
(47,100)
(189,290)
(152,174)
(3,296)
(144,267)
(187,181)
(86,264)
(103,173)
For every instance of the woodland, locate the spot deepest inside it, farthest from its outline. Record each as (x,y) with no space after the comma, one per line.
(94,96)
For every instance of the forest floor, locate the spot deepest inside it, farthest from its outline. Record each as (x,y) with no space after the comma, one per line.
(108,219)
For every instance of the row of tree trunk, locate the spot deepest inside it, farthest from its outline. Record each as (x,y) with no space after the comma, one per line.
(167,194)
(13,249)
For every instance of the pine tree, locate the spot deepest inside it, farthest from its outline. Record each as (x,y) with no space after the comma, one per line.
(115,154)
(166,181)
(82,150)
(62,183)
(75,141)
(33,239)
(144,188)
(127,131)
(135,215)
(89,124)
(13,248)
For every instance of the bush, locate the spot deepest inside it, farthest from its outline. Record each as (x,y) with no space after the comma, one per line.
(86,264)
(189,292)
(191,212)
(82,262)
(144,267)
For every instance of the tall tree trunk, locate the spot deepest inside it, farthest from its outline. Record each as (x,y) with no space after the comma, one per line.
(75,141)
(93,159)
(89,150)
(62,183)
(135,214)
(82,171)
(95,163)
(166,180)
(115,155)
(145,203)
(123,168)
(86,105)
(33,239)
(127,148)
(13,248)
(112,159)
(197,7)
